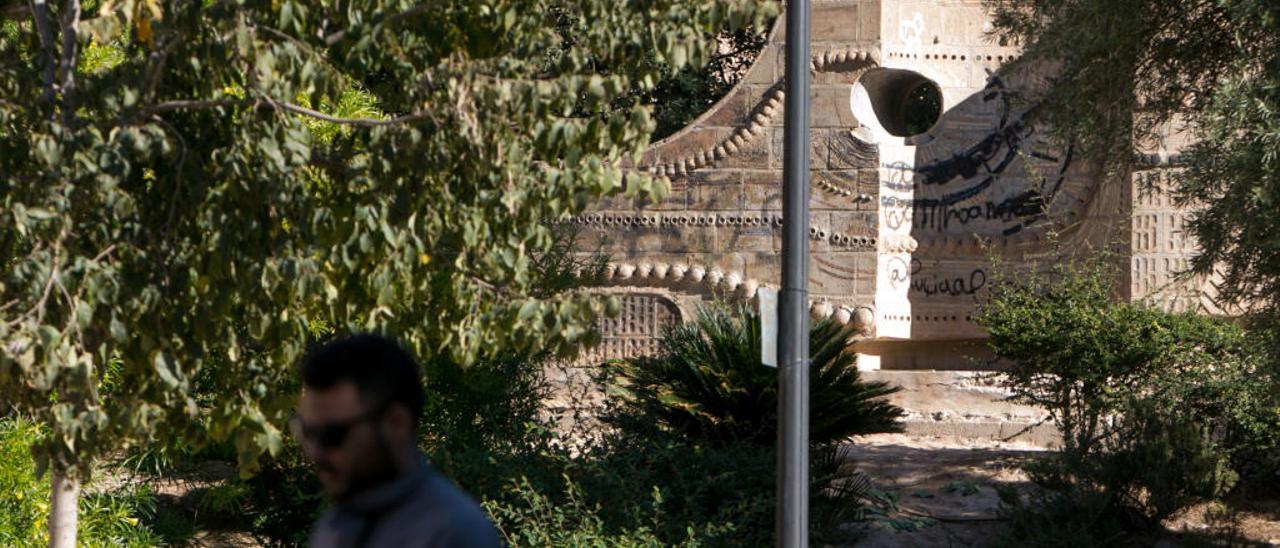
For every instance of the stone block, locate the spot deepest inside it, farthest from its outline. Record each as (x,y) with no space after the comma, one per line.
(762,196)
(848,152)
(834,22)
(744,240)
(733,111)
(819,146)
(864,267)
(762,176)
(830,187)
(689,239)
(677,200)
(829,107)
(714,176)
(630,242)
(869,22)
(824,282)
(765,268)
(765,68)
(717,197)
(752,154)
(860,223)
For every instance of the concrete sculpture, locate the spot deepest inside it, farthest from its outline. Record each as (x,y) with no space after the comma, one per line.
(905,217)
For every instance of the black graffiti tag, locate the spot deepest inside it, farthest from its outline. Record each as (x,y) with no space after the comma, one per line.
(944,285)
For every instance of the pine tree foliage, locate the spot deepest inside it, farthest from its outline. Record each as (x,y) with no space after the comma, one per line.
(1124,73)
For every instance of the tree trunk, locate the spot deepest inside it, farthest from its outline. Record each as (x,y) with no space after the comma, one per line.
(63,510)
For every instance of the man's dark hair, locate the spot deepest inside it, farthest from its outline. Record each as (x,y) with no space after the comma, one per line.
(382,371)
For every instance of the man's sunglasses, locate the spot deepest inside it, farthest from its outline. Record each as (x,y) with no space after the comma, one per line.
(329,435)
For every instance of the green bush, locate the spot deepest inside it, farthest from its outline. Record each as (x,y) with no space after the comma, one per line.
(1060,519)
(539,520)
(117,517)
(1166,459)
(284,499)
(24,501)
(488,406)
(1155,462)
(1157,410)
(672,490)
(708,383)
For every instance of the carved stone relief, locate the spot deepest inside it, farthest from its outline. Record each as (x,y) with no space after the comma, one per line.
(635,330)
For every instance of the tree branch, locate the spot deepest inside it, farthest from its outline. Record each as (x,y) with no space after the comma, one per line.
(169,106)
(70,58)
(71,318)
(38,309)
(364,122)
(182,160)
(40,12)
(105,251)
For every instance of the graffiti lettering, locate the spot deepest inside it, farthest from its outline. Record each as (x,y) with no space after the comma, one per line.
(946,285)
(897,218)
(939,217)
(898,271)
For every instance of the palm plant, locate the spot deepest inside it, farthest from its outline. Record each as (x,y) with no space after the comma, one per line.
(708,382)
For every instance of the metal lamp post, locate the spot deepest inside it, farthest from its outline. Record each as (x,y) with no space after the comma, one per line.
(793,315)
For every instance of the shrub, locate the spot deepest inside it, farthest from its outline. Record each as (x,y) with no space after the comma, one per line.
(116,517)
(673,490)
(708,383)
(1154,463)
(539,520)
(23,499)
(488,406)
(1157,410)
(1060,519)
(283,499)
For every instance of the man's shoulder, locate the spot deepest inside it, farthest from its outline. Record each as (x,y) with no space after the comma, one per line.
(450,513)
(434,514)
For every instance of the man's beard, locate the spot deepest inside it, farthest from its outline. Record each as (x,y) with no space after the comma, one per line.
(381,470)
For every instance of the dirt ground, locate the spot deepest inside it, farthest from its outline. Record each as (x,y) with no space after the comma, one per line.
(953,484)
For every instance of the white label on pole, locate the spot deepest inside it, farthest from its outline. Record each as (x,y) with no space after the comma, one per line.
(768,299)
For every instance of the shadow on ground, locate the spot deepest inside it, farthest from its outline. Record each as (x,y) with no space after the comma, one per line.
(950,484)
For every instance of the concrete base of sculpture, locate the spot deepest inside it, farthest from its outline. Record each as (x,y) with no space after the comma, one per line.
(964,404)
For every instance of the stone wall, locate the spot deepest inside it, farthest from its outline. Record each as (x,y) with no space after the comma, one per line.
(903,226)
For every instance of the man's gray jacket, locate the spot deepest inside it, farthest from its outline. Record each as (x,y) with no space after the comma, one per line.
(419,510)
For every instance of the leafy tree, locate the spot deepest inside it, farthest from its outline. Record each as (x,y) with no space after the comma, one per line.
(684,95)
(201,192)
(1125,72)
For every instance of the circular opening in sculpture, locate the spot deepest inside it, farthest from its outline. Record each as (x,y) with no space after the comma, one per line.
(897,102)
(922,107)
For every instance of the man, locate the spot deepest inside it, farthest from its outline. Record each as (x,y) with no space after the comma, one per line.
(357,421)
